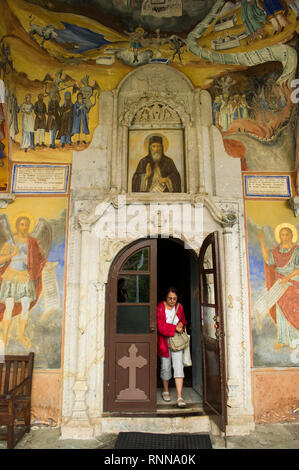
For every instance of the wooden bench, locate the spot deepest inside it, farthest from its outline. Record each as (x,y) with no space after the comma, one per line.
(15,396)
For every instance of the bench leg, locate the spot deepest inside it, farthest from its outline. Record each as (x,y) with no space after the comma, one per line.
(10,436)
(27,418)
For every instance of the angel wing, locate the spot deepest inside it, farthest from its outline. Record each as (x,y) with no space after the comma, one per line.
(5,231)
(43,234)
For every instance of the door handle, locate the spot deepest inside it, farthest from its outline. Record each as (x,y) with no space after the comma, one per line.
(152,329)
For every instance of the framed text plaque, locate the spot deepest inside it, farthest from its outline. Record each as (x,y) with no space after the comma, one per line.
(40,179)
(272,186)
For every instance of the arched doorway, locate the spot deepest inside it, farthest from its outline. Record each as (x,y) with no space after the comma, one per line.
(137,279)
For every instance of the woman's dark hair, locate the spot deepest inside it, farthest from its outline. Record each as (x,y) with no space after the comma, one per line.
(171,289)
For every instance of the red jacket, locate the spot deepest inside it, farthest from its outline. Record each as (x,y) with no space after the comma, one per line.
(166,329)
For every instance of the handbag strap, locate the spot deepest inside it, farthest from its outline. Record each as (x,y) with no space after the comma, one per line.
(176,311)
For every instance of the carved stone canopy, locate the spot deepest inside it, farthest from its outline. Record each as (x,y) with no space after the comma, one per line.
(153,108)
(156,113)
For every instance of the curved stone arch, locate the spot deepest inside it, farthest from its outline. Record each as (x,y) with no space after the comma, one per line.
(152,83)
(120,247)
(158,68)
(145,86)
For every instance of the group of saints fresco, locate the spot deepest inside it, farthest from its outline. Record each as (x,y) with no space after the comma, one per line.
(57,112)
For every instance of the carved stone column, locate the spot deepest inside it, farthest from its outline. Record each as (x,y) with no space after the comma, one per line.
(124,149)
(206,150)
(240,412)
(79,417)
(198,114)
(114,168)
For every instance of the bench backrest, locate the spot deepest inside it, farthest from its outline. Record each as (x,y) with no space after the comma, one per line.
(14,370)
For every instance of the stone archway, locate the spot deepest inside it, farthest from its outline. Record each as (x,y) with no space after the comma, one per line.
(91,257)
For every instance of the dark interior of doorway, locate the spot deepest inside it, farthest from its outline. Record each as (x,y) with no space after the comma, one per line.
(173,269)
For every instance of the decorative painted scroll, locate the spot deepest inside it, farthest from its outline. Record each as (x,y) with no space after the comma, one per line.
(275,53)
(50,291)
(162,8)
(267,300)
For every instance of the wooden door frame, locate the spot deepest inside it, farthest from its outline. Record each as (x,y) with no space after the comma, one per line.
(213,240)
(128,250)
(117,262)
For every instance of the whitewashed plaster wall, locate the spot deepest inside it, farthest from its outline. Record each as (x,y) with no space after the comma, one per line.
(99,177)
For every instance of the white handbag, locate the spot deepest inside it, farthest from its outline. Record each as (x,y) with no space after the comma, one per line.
(187,355)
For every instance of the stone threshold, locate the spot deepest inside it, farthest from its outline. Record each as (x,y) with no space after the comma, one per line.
(159,413)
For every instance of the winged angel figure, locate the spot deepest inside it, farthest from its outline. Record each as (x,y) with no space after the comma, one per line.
(23,257)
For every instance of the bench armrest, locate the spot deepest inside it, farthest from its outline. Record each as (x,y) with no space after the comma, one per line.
(12,393)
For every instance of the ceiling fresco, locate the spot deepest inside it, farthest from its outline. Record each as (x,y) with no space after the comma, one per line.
(175,16)
(244,53)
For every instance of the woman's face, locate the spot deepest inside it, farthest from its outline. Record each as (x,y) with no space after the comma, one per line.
(171,298)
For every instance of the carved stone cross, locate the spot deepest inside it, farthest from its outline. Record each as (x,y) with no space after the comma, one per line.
(132,362)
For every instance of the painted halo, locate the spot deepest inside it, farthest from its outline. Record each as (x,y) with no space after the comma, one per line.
(164,139)
(139,30)
(286,225)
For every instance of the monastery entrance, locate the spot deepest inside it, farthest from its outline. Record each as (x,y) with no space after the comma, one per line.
(137,280)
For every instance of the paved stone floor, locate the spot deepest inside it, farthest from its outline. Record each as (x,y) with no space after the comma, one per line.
(266,436)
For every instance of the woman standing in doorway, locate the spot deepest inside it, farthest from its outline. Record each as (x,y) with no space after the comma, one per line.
(167,324)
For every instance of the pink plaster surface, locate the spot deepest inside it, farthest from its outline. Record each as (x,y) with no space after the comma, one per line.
(46,397)
(276,395)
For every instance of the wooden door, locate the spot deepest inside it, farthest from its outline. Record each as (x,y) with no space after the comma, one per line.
(131,339)
(212,332)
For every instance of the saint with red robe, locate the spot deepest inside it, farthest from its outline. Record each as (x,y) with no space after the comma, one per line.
(282,264)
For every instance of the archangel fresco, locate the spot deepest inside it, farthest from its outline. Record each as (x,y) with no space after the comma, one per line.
(274,278)
(32,254)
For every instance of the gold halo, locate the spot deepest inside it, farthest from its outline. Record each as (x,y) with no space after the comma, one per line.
(164,140)
(286,225)
(139,30)
(23,214)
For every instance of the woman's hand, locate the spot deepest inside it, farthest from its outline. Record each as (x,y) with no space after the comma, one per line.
(179,328)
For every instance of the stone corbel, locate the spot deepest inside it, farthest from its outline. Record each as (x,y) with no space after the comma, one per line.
(294,203)
(225,219)
(6,199)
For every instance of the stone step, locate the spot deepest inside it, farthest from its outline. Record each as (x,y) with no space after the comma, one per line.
(155,424)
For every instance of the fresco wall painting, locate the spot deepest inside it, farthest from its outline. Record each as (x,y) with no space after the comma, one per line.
(57,57)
